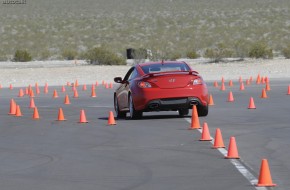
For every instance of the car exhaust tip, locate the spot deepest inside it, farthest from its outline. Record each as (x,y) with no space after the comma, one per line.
(154,106)
(193,103)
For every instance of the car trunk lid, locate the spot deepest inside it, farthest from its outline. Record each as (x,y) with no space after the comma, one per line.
(171,80)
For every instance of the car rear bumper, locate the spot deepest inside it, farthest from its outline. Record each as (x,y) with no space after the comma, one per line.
(170,99)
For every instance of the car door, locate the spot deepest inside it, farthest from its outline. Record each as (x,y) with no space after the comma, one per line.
(124,90)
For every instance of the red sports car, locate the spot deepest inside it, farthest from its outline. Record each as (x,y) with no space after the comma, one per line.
(160,86)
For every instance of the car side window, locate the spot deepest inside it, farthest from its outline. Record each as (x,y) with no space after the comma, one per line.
(133,75)
(126,78)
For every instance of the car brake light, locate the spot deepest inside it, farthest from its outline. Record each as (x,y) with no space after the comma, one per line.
(196,81)
(143,84)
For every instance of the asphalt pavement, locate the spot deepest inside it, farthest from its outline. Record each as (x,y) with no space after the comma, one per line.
(156,153)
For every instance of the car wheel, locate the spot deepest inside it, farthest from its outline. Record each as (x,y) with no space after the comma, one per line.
(202,110)
(119,113)
(133,113)
(183,112)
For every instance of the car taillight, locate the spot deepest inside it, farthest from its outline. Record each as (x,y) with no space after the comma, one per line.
(196,81)
(143,84)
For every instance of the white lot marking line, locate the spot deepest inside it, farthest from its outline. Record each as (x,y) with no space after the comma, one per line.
(237,163)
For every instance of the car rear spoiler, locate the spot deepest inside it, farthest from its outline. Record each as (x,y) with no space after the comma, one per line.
(168,73)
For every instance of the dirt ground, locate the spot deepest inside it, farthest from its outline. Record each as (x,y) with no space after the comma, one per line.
(61,72)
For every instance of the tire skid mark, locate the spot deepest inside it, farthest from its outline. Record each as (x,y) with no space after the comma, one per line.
(48,159)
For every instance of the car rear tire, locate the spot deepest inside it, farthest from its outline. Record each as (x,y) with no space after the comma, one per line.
(183,112)
(133,113)
(202,110)
(120,114)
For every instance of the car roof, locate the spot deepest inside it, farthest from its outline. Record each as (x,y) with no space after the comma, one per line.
(160,62)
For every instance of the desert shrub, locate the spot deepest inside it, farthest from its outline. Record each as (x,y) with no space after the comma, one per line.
(192,55)
(217,53)
(22,56)
(260,50)
(286,52)
(69,54)
(102,56)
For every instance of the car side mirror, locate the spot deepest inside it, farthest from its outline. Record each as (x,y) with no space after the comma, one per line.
(118,79)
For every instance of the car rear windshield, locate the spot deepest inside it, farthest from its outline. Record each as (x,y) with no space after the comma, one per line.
(166,67)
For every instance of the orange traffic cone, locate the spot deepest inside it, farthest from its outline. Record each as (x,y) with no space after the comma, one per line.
(194,119)
(240,79)
(205,135)
(251,79)
(31,93)
(84,87)
(111,120)
(268,88)
(73,87)
(63,89)
(21,93)
(111,85)
(93,87)
(231,83)
(18,111)
(210,102)
(264,94)
(248,82)
(76,83)
(83,117)
(12,107)
(76,94)
(46,88)
(251,104)
(37,90)
(10,87)
(265,179)
(223,80)
(93,94)
(107,85)
(223,87)
(35,113)
(68,83)
(215,84)
(258,80)
(0,86)
(55,95)
(288,93)
(267,80)
(218,140)
(242,87)
(97,84)
(232,150)
(231,97)
(66,100)
(29,88)
(26,91)
(262,80)
(60,116)
(32,104)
